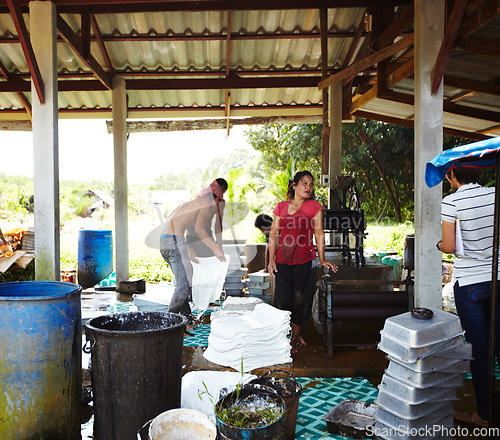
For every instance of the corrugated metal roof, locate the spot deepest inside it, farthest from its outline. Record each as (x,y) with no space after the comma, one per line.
(192,44)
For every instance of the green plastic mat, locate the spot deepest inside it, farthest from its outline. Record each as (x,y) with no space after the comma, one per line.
(199,338)
(320,395)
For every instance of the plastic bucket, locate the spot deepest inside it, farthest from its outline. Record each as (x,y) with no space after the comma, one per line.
(252,396)
(136,369)
(40,360)
(289,390)
(95,256)
(182,424)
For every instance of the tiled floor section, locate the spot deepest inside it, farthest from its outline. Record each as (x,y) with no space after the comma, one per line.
(320,395)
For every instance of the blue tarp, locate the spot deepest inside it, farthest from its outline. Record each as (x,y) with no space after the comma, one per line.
(478,154)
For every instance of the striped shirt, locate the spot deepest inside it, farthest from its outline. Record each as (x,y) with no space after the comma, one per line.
(473,205)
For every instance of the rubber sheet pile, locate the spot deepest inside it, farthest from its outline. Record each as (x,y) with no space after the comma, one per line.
(247,334)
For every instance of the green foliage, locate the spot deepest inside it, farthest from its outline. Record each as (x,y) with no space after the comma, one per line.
(27,274)
(389,236)
(149,265)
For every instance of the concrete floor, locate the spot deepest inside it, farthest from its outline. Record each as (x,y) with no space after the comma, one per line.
(310,361)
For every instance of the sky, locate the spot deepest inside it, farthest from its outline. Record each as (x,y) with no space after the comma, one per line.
(86,151)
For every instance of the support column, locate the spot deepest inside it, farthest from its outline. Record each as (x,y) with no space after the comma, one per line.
(119,105)
(335,168)
(429,31)
(43,32)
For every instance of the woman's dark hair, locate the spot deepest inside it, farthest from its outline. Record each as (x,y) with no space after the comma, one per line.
(263,221)
(296,179)
(464,174)
(222,183)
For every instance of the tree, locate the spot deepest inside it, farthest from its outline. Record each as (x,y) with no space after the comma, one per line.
(379,156)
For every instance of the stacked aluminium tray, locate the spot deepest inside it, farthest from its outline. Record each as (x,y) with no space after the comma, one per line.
(428,358)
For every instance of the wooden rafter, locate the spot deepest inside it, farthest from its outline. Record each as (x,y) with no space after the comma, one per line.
(26,103)
(102,46)
(481,46)
(461,96)
(446,45)
(209,124)
(354,44)
(411,124)
(131,6)
(85,33)
(396,28)
(479,17)
(369,61)
(359,101)
(76,44)
(487,88)
(449,107)
(401,69)
(4,72)
(491,129)
(29,54)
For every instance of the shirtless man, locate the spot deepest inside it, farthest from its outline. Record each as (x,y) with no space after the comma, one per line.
(197,213)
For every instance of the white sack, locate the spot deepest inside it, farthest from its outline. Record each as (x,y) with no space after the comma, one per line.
(208,278)
(193,395)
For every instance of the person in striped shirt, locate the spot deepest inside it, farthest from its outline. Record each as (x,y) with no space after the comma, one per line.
(467,217)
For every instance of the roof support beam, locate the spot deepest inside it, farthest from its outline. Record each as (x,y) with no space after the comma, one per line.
(487,88)
(85,34)
(481,46)
(102,46)
(449,107)
(208,124)
(478,18)
(411,124)
(369,61)
(130,6)
(24,38)
(446,45)
(78,47)
(233,82)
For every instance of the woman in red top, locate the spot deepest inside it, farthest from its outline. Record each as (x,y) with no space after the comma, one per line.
(292,253)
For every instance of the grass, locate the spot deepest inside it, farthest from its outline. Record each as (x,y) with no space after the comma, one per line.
(388,236)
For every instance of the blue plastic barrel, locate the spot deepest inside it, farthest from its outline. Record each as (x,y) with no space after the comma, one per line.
(40,360)
(95,256)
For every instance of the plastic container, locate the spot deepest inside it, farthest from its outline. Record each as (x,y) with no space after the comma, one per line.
(406,410)
(136,369)
(405,353)
(182,424)
(449,381)
(423,380)
(429,432)
(252,396)
(438,362)
(289,390)
(415,333)
(41,360)
(410,393)
(350,418)
(443,415)
(95,256)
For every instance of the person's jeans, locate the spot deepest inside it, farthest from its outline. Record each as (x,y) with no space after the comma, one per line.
(473,307)
(174,251)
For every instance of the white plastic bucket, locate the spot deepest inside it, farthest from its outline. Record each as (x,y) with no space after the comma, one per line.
(182,424)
